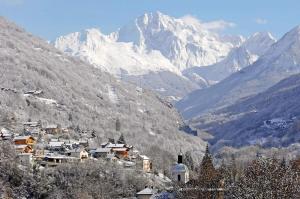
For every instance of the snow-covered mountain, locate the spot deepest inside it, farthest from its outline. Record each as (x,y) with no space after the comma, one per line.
(76,94)
(118,58)
(152,44)
(184,41)
(244,55)
(281,60)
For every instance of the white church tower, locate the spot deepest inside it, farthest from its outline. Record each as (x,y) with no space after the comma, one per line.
(180,172)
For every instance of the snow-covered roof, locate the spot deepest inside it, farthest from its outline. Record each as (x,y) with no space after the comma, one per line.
(120,149)
(104,143)
(179,168)
(147,191)
(77,150)
(58,157)
(22,137)
(55,144)
(25,154)
(83,141)
(110,145)
(21,146)
(144,157)
(51,126)
(103,150)
(4,131)
(6,134)
(32,124)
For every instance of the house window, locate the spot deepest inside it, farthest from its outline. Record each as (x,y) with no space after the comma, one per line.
(178,178)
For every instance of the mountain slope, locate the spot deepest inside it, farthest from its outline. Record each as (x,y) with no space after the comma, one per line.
(280,61)
(240,57)
(271,118)
(75,94)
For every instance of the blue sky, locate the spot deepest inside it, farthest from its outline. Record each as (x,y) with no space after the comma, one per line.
(51,18)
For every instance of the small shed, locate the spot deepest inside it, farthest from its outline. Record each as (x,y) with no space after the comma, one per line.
(146,193)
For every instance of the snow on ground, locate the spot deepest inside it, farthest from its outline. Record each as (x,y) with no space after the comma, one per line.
(151,132)
(141,110)
(276,123)
(43,100)
(48,101)
(111,91)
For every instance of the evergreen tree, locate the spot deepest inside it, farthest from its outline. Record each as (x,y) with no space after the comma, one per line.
(265,178)
(209,176)
(93,133)
(121,139)
(118,125)
(188,160)
(233,169)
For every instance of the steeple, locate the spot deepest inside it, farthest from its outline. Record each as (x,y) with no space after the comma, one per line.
(180,157)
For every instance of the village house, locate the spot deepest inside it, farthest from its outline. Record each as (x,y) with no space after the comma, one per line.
(32,124)
(23,148)
(53,129)
(83,142)
(102,152)
(121,150)
(55,160)
(24,140)
(32,128)
(144,163)
(56,146)
(80,153)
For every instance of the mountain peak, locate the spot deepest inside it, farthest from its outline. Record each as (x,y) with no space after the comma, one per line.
(259,43)
(294,33)
(288,44)
(264,34)
(156,20)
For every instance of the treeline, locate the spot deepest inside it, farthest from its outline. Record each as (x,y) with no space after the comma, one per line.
(261,178)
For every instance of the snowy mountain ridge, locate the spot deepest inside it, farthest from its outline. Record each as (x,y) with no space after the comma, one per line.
(160,52)
(238,58)
(185,41)
(280,61)
(152,42)
(114,57)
